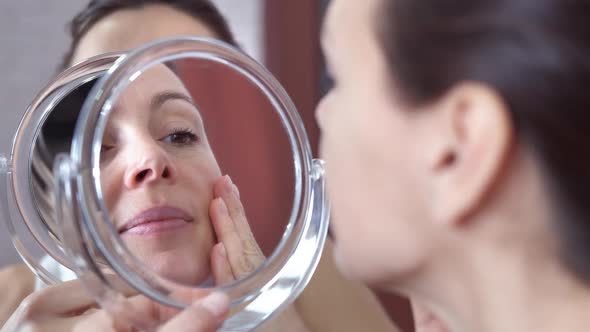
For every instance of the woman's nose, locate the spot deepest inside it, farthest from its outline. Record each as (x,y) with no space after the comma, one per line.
(151,165)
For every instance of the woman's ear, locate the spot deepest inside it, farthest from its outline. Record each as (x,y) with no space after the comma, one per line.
(476,139)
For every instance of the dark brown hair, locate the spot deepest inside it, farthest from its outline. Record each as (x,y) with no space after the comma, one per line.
(536,55)
(202,10)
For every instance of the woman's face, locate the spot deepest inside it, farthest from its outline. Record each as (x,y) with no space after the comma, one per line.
(157,174)
(374,150)
(154,140)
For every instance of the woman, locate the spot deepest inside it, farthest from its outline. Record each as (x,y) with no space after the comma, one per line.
(112,26)
(154,144)
(455,140)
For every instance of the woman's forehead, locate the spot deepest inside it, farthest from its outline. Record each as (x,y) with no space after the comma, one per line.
(149,92)
(152,85)
(158,77)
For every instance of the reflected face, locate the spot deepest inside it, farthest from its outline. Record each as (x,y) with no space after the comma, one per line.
(157,174)
(170,135)
(372,145)
(118,31)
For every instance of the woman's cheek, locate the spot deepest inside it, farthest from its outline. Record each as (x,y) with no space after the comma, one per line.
(111,180)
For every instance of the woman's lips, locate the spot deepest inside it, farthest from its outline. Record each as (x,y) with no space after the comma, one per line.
(156,220)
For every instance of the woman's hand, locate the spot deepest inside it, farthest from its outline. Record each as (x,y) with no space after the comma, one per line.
(68,307)
(237,254)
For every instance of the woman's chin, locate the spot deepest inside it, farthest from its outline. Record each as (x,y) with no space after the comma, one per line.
(184,279)
(361,267)
(346,264)
(178,266)
(184,274)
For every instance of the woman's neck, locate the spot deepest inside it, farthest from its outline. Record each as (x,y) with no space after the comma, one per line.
(492,290)
(500,271)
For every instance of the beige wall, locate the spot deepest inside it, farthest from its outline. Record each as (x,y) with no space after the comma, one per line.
(32,40)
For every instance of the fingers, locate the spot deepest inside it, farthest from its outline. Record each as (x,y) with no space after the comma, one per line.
(62,299)
(232,229)
(229,192)
(231,198)
(67,307)
(227,234)
(61,307)
(220,266)
(205,315)
(96,321)
(222,222)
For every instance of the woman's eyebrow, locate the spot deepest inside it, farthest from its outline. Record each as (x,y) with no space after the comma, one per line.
(160,98)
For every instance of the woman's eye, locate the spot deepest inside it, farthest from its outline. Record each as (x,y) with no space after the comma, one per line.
(106,147)
(181,137)
(105,152)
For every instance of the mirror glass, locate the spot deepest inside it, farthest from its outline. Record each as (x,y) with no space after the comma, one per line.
(55,137)
(196,170)
(172,171)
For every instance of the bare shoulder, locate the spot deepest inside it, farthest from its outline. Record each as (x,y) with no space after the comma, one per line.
(16,283)
(332,303)
(17,277)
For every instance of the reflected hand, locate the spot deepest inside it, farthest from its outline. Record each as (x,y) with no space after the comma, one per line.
(68,307)
(237,254)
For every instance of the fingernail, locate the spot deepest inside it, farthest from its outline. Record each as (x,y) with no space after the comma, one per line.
(236,190)
(228,183)
(222,207)
(216,303)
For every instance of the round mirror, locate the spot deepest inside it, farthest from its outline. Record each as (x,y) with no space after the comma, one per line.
(177,169)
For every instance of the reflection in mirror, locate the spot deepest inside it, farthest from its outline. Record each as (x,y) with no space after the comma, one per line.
(199,192)
(179,175)
(157,173)
(54,137)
